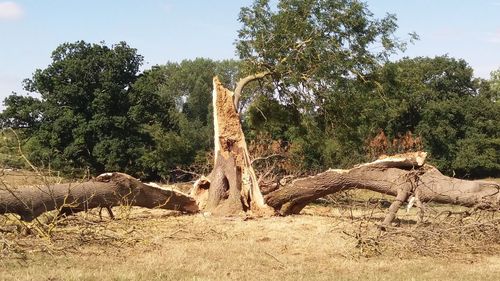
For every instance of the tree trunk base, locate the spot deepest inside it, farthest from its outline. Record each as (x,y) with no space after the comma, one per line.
(231,188)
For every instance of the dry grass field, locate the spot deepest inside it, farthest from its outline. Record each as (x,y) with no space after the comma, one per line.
(337,239)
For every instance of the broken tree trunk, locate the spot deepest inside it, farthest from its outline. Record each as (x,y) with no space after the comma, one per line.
(401,176)
(107,190)
(231,187)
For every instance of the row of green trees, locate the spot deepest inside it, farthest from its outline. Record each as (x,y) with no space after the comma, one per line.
(326,98)
(436,101)
(97,113)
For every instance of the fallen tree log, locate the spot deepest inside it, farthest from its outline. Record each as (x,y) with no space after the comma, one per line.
(107,190)
(401,176)
(392,176)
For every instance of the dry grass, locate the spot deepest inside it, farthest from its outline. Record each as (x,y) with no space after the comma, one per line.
(326,242)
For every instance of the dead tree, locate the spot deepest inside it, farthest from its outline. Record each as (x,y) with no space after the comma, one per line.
(232,187)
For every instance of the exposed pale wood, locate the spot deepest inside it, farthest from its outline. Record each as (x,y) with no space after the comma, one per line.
(231,187)
(403,161)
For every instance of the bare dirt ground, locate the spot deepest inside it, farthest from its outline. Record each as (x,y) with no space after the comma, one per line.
(336,239)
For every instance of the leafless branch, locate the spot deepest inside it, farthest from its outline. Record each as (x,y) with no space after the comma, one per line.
(243,82)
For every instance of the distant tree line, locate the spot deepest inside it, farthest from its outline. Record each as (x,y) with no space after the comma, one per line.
(326,103)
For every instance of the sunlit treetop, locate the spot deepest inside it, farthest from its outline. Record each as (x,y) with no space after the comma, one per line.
(314,42)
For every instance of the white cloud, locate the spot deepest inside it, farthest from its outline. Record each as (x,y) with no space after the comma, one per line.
(10,11)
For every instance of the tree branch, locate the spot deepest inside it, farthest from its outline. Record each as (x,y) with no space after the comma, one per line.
(107,190)
(266,157)
(398,176)
(243,82)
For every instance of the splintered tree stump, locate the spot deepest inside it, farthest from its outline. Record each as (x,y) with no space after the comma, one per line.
(231,188)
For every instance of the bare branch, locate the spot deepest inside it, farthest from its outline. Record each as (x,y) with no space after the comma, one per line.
(243,82)
(267,157)
(107,190)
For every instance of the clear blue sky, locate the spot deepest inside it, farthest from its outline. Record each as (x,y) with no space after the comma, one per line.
(172,30)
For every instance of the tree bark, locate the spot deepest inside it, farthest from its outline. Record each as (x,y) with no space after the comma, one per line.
(231,188)
(107,190)
(400,176)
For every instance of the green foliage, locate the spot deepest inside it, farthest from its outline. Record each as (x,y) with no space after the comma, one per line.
(173,104)
(81,120)
(97,113)
(331,90)
(319,54)
(440,100)
(21,112)
(314,45)
(267,115)
(495,80)
(9,151)
(477,156)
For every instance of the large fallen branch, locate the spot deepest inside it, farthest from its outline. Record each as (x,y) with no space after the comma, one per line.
(107,190)
(402,176)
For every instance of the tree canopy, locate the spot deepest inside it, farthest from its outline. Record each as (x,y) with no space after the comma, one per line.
(454,113)
(314,45)
(81,116)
